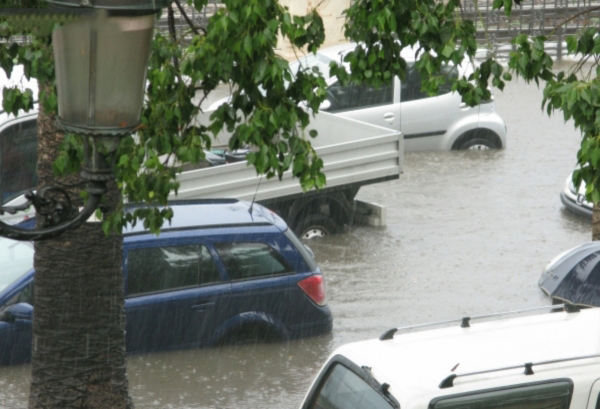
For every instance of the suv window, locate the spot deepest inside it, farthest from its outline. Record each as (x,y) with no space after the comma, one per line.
(550,395)
(18,158)
(251,260)
(352,96)
(156,269)
(410,89)
(343,389)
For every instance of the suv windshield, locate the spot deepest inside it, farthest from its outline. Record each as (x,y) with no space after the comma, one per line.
(16,259)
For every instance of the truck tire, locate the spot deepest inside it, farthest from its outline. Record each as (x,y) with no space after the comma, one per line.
(316,225)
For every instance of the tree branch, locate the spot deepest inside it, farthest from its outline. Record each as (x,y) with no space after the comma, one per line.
(187,19)
(172,32)
(574,16)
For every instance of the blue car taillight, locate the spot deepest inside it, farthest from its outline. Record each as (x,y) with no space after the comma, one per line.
(314,287)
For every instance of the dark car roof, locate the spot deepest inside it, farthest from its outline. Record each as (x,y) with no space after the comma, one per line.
(214,213)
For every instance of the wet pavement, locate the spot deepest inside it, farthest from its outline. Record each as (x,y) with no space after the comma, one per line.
(467,233)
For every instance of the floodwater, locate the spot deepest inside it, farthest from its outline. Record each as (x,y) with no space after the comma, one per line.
(467,233)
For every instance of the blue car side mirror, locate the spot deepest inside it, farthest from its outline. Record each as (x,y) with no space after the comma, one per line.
(20,311)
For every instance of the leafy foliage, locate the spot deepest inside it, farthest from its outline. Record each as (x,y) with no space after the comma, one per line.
(271,106)
(431,30)
(238,48)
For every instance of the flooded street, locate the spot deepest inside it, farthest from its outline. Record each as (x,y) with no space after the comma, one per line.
(468,233)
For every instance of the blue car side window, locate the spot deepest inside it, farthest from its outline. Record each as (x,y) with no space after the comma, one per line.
(158,269)
(25,295)
(251,260)
(208,270)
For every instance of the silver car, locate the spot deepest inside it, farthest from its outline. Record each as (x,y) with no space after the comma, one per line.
(443,122)
(574,199)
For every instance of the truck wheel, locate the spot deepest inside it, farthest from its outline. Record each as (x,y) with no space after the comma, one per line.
(316,225)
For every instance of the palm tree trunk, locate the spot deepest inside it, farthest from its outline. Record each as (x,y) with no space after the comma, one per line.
(78,351)
(596,222)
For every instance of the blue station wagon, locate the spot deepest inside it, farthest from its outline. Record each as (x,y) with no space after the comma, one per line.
(223,271)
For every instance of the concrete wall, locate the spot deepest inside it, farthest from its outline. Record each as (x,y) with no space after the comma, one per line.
(330,11)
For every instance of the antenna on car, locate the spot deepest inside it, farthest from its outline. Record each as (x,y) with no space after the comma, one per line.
(254,198)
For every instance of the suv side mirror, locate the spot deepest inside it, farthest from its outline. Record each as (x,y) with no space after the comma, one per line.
(20,311)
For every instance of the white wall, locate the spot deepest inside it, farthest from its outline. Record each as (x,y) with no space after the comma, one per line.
(331,13)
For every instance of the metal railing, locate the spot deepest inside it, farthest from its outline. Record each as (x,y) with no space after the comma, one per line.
(553,18)
(182,29)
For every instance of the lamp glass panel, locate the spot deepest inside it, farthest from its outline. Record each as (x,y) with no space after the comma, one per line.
(101,65)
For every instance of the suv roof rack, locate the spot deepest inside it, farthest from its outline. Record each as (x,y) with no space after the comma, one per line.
(448,381)
(465,321)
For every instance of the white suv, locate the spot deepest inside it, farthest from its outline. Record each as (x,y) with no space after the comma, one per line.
(544,361)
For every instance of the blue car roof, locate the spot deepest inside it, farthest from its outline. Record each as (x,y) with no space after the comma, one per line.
(214,213)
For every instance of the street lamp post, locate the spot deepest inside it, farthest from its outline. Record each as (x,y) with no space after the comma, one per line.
(101,60)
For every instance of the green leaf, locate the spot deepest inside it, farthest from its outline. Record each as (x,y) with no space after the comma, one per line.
(595,156)
(248,45)
(448,50)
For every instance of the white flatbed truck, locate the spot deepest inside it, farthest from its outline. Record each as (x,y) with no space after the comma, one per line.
(354,154)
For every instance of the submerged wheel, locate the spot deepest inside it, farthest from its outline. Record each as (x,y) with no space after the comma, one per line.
(478,145)
(479,139)
(251,334)
(316,225)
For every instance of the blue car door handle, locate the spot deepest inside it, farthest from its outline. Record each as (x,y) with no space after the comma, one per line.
(202,307)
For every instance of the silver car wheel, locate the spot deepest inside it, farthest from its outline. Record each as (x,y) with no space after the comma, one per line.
(478,147)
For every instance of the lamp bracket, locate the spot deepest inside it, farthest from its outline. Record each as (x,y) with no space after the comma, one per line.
(56,208)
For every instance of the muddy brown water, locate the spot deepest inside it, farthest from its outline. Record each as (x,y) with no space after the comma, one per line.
(467,233)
